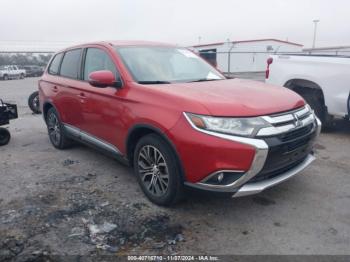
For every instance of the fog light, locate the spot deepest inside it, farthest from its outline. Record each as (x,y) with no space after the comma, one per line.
(220,177)
(223,178)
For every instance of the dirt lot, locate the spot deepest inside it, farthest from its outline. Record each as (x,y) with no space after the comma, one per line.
(78,201)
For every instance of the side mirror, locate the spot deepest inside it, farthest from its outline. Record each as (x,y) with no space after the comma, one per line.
(104,78)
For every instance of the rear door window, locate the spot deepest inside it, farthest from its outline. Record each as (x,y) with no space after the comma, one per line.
(71,64)
(55,64)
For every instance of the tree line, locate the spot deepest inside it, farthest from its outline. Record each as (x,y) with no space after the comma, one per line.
(25,59)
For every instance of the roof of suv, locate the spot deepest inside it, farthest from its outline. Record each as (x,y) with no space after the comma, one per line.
(137,43)
(120,43)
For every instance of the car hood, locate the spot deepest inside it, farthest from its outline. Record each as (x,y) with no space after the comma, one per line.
(233,97)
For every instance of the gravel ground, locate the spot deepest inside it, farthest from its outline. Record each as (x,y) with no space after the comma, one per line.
(80,202)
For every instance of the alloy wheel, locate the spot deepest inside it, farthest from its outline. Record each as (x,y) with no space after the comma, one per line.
(54,129)
(153,170)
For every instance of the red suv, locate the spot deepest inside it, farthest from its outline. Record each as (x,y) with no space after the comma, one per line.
(177,120)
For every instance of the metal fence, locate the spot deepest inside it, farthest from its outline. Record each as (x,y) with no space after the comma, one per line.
(229,62)
(256,61)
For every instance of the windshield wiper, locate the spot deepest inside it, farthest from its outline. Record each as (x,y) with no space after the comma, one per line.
(205,79)
(153,82)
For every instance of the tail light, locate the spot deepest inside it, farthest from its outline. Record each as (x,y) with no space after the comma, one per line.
(267,72)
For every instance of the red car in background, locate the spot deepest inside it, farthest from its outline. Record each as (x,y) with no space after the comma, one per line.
(176,119)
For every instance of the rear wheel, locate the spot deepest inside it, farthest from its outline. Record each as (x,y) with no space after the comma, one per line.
(33,102)
(6,77)
(5,136)
(158,171)
(21,76)
(56,130)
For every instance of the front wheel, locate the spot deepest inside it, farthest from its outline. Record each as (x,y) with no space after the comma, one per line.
(158,171)
(33,102)
(5,136)
(21,76)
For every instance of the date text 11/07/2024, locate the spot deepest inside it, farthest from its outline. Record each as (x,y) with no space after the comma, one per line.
(173,258)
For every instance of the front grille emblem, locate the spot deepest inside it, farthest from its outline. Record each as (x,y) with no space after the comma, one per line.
(297,122)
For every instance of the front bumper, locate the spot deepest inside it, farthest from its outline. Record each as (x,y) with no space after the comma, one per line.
(265,171)
(257,187)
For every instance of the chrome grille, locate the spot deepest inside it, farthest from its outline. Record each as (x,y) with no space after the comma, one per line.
(296,133)
(292,122)
(290,141)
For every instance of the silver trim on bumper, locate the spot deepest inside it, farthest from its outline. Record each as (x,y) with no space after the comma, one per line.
(261,150)
(319,126)
(257,187)
(241,186)
(220,171)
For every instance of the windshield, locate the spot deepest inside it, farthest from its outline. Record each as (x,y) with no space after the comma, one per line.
(161,65)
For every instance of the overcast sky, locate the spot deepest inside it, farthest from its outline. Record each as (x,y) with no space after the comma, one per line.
(58,23)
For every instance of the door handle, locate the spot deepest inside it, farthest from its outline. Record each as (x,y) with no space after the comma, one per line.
(81,95)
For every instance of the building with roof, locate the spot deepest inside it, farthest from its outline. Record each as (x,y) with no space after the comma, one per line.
(244,56)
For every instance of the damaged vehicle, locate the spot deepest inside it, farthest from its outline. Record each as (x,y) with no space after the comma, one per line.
(175,119)
(7,112)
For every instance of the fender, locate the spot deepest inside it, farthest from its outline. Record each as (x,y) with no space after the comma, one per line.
(151,129)
(51,104)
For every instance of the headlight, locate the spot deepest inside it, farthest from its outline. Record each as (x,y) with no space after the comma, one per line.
(233,126)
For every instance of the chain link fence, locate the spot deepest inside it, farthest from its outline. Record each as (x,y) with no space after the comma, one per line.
(234,62)
(230,63)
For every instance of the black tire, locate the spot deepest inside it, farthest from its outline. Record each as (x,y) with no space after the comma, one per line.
(33,102)
(316,105)
(56,130)
(6,77)
(320,110)
(5,136)
(21,76)
(165,170)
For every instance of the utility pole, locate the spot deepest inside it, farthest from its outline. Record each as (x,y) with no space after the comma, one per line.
(229,56)
(315,32)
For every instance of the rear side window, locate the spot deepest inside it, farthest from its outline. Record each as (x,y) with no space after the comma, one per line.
(55,64)
(96,60)
(70,64)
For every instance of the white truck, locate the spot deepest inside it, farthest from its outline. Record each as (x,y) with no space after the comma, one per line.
(322,80)
(11,72)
